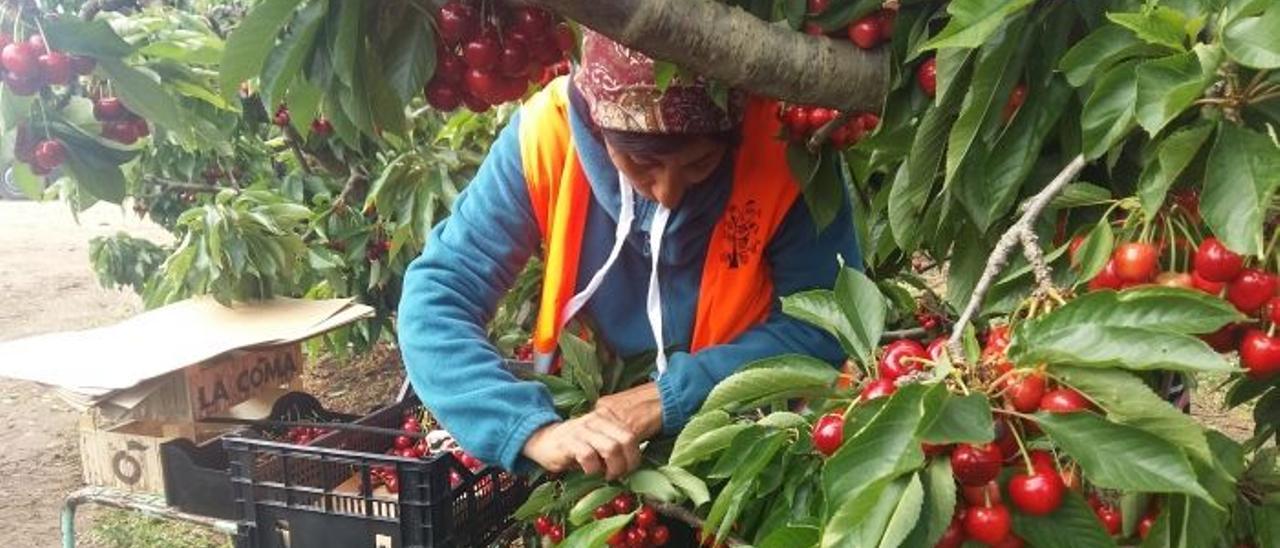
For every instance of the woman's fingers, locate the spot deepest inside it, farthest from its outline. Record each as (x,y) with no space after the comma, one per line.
(627,445)
(586,455)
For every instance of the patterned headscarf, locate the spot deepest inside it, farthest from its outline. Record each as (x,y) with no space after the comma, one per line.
(619,87)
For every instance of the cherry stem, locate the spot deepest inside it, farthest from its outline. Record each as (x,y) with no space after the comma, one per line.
(999,380)
(823,133)
(1026,457)
(43,38)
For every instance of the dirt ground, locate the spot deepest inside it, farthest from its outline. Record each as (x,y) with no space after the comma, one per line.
(46,284)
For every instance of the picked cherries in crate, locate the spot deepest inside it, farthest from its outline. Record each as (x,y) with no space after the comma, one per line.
(410,447)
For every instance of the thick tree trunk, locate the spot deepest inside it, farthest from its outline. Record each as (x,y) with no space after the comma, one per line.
(734,47)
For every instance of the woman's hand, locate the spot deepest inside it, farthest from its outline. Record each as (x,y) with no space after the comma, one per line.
(594,442)
(639,409)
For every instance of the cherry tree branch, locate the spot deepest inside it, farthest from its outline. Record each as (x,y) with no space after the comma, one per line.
(682,514)
(732,46)
(1020,233)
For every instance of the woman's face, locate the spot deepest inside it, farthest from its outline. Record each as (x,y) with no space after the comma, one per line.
(665,177)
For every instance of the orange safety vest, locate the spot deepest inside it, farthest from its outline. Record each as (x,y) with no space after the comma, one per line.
(736,292)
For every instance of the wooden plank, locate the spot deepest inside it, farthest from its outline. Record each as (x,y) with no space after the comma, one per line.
(125,458)
(215,386)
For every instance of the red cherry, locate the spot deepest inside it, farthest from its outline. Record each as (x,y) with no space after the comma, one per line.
(1260,354)
(1063,400)
(976,464)
(828,433)
(878,388)
(1251,289)
(485,85)
(901,357)
(869,121)
(987,524)
(1038,493)
(1011,541)
(865,32)
(565,39)
(1108,278)
(50,154)
(927,76)
(20,60)
(817,6)
(623,503)
(646,517)
(1136,262)
(637,536)
(56,68)
(403,442)
(1016,98)
(814,29)
(1110,517)
(1043,460)
(513,61)
(482,53)
(443,97)
(108,108)
(797,120)
(512,89)
(322,127)
(543,525)
(411,424)
(83,65)
(603,512)
(1025,393)
(819,117)
(120,131)
(36,41)
(1215,263)
(886,17)
(556,534)
(1224,339)
(933,450)
(618,538)
(530,20)
(1212,288)
(1145,524)
(140,127)
(476,105)
(659,535)
(457,23)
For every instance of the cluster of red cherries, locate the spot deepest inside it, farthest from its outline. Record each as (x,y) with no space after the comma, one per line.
(1218,271)
(867,32)
(31,64)
(927,81)
(644,530)
(320,126)
(802,121)
(304,435)
(485,61)
(118,122)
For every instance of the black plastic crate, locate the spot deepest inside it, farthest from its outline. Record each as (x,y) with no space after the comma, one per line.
(323,495)
(197,477)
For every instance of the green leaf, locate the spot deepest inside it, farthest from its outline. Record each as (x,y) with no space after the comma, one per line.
(582,511)
(824,194)
(818,307)
(664,73)
(143,95)
(698,426)
(1095,251)
(707,445)
(973,22)
(1162,26)
(653,484)
(938,507)
(1109,112)
(906,513)
(864,309)
(594,534)
(992,78)
(769,380)
(915,178)
(93,38)
(539,500)
(1128,400)
(959,419)
(1157,308)
(1132,348)
(882,449)
(783,420)
(411,58)
(1239,182)
(879,517)
(1172,157)
(1099,50)
(581,364)
(31,185)
(1122,457)
(692,486)
(284,63)
(1255,41)
(1072,525)
(1080,195)
(96,174)
(348,44)
(840,14)
(728,505)
(1169,85)
(248,45)
(790,536)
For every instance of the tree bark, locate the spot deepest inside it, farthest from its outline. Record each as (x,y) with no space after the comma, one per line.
(732,46)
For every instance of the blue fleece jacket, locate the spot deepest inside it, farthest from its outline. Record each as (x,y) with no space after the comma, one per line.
(472,258)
